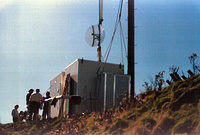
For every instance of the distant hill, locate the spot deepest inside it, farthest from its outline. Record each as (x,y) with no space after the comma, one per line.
(172,110)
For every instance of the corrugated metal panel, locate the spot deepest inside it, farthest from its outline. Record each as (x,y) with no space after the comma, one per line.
(72,69)
(122,88)
(109,91)
(105,92)
(56,88)
(112,89)
(85,82)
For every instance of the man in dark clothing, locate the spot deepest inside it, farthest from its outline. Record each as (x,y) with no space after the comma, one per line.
(15,114)
(28,102)
(28,96)
(46,107)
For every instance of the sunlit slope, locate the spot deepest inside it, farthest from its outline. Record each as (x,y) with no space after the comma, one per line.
(172,110)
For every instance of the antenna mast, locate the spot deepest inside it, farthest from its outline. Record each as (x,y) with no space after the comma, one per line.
(99,26)
(131,45)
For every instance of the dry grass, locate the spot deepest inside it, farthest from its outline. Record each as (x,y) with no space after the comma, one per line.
(173,110)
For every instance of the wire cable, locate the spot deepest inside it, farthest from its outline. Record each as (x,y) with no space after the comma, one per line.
(123,38)
(117,22)
(116,26)
(122,59)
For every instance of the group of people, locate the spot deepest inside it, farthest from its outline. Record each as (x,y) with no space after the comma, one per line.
(34,102)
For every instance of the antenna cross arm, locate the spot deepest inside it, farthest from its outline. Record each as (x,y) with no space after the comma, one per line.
(74,98)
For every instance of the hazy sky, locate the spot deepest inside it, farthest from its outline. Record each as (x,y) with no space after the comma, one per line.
(39,38)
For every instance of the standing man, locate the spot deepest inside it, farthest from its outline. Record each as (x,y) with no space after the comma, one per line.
(28,96)
(46,107)
(15,114)
(35,102)
(28,102)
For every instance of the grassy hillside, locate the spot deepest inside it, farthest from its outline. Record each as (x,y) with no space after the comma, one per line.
(172,110)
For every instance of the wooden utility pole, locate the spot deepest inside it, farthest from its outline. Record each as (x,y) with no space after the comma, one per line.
(131,45)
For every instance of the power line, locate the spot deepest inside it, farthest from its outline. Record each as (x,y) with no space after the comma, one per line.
(117,23)
(114,32)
